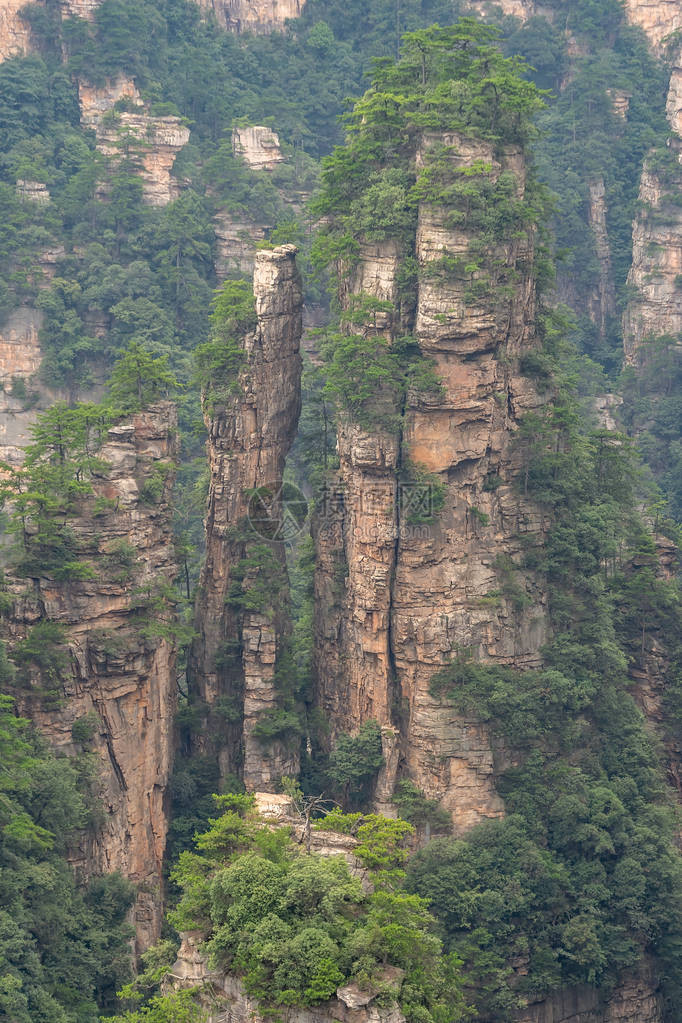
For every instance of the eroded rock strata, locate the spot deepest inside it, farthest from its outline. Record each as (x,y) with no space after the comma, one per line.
(151,142)
(117,692)
(396,598)
(259,16)
(240,638)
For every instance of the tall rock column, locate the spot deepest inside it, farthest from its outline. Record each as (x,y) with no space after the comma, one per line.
(114,655)
(401,589)
(243,593)
(356,543)
(460,585)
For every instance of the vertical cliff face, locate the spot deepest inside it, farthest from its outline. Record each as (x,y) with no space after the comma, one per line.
(636,998)
(242,636)
(460,587)
(258,146)
(356,548)
(656,305)
(658,18)
(259,16)
(237,235)
(654,277)
(602,301)
(597,300)
(399,592)
(117,685)
(153,142)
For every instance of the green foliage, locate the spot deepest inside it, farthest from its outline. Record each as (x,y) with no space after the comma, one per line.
(85,727)
(418,810)
(298,926)
(355,760)
(138,379)
(181,1007)
(43,653)
(219,361)
(54,482)
(587,801)
(371,183)
(422,493)
(278,724)
(369,376)
(64,950)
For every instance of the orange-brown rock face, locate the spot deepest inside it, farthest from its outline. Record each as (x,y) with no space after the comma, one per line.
(154,142)
(15,36)
(259,16)
(235,657)
(658,18)
(396,597)
(121,680)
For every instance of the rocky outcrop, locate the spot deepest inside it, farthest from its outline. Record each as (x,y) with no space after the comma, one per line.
(259,16)
(522,9)
(658,18)
(655,277)
(241,638)
(151,142)
(222,996)
(401,586)
(20,358)
(236,241)
(15,34)
(33,191)
(79,8)
(635,1000)
(117,689)
(257,146)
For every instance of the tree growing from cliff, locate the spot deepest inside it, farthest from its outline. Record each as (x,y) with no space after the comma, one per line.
(218,361)
(52,485)
(138,379)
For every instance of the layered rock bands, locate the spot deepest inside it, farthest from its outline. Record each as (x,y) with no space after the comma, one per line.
(116,695)
(397,598)
(241,639)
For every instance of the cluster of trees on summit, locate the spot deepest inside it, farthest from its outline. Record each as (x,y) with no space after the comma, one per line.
(582,877)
